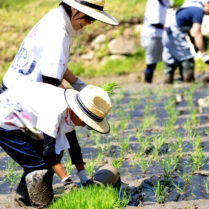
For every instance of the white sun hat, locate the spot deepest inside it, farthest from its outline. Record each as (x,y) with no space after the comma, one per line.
(92,8)
(91,105)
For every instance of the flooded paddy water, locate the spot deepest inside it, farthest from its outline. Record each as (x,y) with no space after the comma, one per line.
(159,141)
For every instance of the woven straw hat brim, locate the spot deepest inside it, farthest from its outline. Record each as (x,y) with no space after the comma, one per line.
(96,14)
(101,127)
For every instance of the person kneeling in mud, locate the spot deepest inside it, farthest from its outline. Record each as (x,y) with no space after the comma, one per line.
(35,122)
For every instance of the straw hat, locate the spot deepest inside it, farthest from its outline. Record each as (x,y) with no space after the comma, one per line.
(93,8)
(91,105)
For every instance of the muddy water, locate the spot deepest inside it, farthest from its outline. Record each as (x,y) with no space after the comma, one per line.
(133,105)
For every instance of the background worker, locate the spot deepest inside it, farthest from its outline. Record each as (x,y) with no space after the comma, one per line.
(151,35)
(176,50)
(35,123)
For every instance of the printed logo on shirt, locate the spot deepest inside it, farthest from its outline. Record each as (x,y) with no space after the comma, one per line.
(22,63)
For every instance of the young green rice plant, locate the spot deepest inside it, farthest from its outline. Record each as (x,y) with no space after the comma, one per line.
(168,164)
(91,197)
(160,192)
(132,104)
(144,164)
(103,147)
(177,146)
(124,119)
(178,188)
(98,160)
(10,174)
(124,145)
(191,106)
(207,185)
(110,87)
(196,157)
(118,98)
(144,144)
(90,166)
(68,165)
(187,179)
(188,128)
(117,162)
(145,92)
(170,107)
(134,159)
(114,129)
(158,142)
(149,117)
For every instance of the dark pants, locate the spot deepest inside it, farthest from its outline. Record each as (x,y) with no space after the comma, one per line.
(27,152)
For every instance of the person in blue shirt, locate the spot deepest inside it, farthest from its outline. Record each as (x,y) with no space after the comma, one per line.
(176,51)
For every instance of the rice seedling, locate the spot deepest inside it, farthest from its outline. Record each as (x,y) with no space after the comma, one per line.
(177,146)
(124,145)
(110,87)
(160,192)
(172,116)
(196,157)
(207,185)
(188,128)
(144,164)
(168,164)
(91,197)
(114,129)
(134,159)
(144,144)
(158,142)
(117,162)
(90,166)
(191,106)
(98,160)
(187,180)
(132,104)
(149,117)
(10,174)
(178,188)
(68,165)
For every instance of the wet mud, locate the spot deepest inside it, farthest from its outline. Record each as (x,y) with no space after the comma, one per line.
(159,142)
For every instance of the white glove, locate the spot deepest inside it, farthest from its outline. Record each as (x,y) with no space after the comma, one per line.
(205,57)
(82,176)
(78,85)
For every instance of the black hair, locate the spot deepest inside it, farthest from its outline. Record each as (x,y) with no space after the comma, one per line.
(67,8)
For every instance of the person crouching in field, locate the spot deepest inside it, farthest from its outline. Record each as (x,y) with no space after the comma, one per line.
(35,125)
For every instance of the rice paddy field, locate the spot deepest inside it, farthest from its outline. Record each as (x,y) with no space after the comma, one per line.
(159,142)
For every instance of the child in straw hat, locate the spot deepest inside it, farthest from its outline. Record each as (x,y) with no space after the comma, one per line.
(35,125)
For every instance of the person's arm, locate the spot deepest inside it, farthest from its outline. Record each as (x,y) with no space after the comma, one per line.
(76,156)
(199,41)
(69,76)
(75,82)
(198,38)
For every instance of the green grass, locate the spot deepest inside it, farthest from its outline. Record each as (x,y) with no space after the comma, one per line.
(90,198)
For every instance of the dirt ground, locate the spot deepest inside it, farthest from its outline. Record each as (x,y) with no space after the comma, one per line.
(133,177)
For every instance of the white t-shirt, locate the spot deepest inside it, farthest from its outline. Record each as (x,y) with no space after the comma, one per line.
(44,51)
(35,109)
(155,13)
